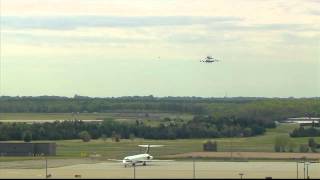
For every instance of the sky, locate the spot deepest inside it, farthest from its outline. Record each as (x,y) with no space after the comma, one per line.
(104,48)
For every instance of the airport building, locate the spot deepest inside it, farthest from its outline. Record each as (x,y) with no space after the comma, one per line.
(304,121)
(27,149)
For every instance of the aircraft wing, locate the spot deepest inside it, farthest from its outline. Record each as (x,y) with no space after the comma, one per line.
(117,160)
(150,146)
(157,160)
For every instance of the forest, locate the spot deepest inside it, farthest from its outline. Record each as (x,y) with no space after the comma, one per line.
(213,117)
(199,127)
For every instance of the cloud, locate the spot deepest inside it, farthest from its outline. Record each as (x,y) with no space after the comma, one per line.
(314,12)
(218,23)
(74,22)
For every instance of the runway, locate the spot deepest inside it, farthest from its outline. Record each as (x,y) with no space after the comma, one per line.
(177,169)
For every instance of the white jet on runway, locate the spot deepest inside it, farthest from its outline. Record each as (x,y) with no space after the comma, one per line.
(140,158)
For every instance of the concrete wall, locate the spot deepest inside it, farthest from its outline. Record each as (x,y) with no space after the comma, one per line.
(45,149)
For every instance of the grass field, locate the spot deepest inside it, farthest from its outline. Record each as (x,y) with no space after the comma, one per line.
(151,119)
(69,116)
(108,149)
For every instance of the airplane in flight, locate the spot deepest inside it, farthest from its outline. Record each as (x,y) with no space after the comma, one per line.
(209,59)
(140,158)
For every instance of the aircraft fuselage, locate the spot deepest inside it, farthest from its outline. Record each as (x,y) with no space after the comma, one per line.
(135,159)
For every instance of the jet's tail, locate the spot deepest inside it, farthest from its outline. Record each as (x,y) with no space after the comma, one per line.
(148,147)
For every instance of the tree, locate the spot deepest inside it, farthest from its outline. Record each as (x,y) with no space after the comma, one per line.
(132,137)
(210,146)
(313,145)
(304,148)
(115,136)
(104,137)
(292,145)
(277,148)
(85,136)
(247,132)
(27,136)
(280,143)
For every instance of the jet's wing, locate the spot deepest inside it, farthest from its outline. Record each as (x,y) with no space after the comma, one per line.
(150,146)
(117,160)
(157,160)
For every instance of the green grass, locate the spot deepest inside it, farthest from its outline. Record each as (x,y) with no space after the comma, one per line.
(50,116)
(109,149)
(154,119)
(65,116)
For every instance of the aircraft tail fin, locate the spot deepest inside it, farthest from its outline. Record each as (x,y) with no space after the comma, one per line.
(149,146)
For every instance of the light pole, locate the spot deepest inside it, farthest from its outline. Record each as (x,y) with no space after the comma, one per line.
(304,169)
(297,169)
(134,171)
(241,174)
(231,130)
(308,170)
(231,147)
(46,166)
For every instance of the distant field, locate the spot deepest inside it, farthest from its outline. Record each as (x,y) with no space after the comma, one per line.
(152,119)
(70,116)
(50,116)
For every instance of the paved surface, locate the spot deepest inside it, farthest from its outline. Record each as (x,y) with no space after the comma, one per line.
(183,169)
(248,155)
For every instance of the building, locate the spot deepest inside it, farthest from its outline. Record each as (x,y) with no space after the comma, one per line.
(210,146)
(304,121)
(27,149)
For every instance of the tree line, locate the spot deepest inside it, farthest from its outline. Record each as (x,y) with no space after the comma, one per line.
(244,107)
(305,132)
(198,127)
(83,105)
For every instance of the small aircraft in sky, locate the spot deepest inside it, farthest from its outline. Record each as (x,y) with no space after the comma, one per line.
(140,158)
(209,59)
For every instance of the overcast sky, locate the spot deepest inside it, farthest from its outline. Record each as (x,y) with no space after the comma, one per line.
(102,48)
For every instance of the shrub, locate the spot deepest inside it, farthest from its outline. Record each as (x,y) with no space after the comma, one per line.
(210,146)
(281,143)
(304,148)
(27,136)
(132,137)
(104,137)
(292,146)
(312,143)
(116,137)
(277,148)
(85,136)
(3,137)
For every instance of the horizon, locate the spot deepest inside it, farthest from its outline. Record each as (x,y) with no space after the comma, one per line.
(143,96)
